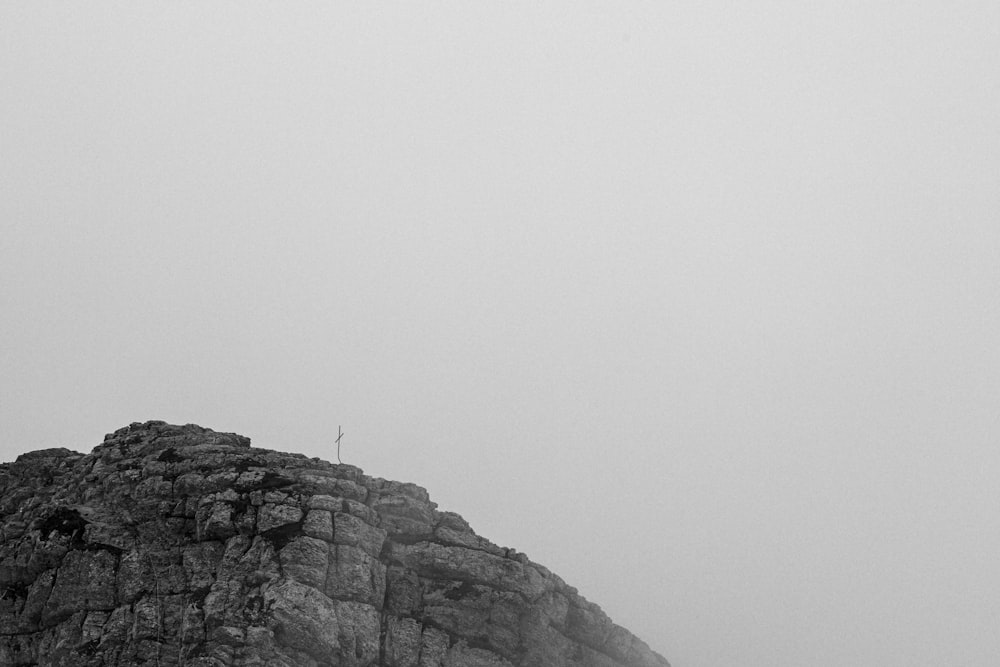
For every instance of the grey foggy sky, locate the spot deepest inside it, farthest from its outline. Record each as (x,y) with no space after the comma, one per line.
(694,303)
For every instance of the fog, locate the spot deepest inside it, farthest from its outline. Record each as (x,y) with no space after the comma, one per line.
(697,304)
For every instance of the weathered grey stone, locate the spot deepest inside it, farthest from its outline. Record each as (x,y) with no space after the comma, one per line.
(355,575)
(215,521)
(306,560)
(273,516)
(323,483)
(405,516)
(38,595)
(309,621)
(177,545)
(402,642)
(433,647)
(477,612)
(353,531)
(86,580)
(200,563)
(438,561)
(319,524)
(404,594)
(461,655)
(134,575)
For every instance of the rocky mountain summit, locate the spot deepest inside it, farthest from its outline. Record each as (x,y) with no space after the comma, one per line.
(178,545)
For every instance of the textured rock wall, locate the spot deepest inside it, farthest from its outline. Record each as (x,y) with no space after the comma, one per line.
(177,545)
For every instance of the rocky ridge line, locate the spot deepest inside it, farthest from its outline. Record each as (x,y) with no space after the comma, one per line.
(180,546)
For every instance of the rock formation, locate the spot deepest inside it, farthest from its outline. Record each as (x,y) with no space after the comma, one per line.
(178,545)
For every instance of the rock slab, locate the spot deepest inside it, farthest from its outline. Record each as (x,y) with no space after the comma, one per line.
(180,546)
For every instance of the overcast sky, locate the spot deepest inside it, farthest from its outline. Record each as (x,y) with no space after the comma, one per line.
(695,303)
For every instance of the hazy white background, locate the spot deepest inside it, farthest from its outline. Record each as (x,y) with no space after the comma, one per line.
(695,303)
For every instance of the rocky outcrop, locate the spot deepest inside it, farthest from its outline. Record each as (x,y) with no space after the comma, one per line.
(177,545)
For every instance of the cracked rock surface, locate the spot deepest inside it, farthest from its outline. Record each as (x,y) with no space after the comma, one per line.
(178,545)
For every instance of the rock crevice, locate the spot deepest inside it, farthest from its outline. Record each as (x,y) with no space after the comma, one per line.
(178,545)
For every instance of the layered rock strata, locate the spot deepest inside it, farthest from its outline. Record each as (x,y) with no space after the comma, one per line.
(178,545)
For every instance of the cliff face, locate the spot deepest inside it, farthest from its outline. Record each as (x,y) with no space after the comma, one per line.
(177,545)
